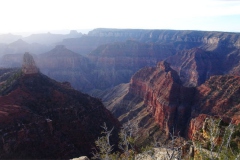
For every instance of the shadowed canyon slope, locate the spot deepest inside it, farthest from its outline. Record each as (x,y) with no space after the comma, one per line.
(42,118)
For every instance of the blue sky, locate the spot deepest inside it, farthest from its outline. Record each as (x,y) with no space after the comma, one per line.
(49,15)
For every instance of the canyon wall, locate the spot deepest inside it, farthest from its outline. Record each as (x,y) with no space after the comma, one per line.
(157,94)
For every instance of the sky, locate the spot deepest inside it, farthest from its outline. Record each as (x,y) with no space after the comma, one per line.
(17,16)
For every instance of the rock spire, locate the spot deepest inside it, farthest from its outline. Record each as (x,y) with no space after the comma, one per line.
(29,66)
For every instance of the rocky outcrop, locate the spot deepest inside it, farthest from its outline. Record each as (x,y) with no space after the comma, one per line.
(43,119)
(29,66)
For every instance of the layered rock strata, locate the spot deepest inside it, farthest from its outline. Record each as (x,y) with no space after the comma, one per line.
(166,99)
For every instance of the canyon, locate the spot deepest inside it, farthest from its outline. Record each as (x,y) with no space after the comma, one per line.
(164,80)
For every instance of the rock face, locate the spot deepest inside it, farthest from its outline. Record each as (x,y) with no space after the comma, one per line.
(29,66)
(44,119)
(161,89)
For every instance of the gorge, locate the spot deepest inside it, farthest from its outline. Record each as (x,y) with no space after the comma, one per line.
(163,80)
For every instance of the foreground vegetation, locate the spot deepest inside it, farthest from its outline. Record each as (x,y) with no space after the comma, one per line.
(215,141)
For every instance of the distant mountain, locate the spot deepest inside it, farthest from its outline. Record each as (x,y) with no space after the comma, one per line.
(51,39)
(20,46)
(44,119)
(63,64)
(9,38)
(181,39)
(86,44)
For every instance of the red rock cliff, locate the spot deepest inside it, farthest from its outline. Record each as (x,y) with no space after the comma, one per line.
(167,100)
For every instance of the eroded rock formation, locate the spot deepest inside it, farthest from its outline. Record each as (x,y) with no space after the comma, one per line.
(29,66)
(161,89)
